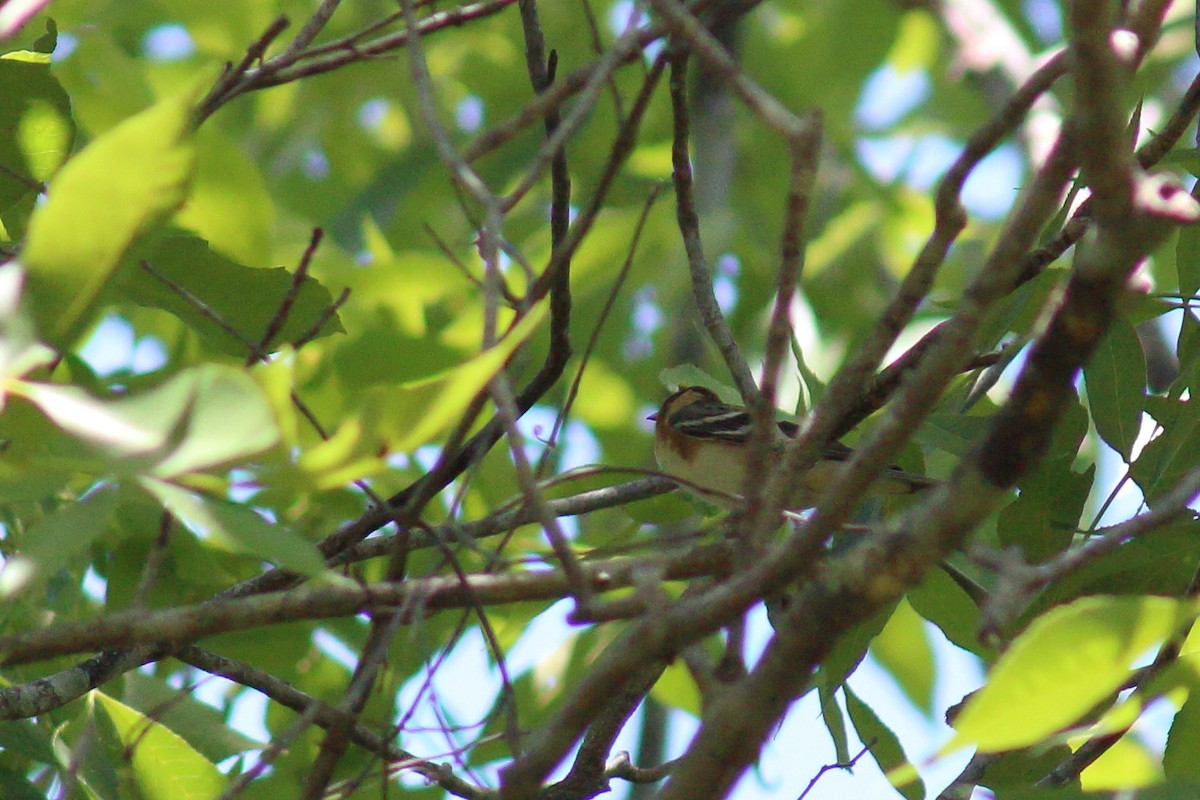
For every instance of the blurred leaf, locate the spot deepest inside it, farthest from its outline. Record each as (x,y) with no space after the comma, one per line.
(1011,773)
(849,650)
(902,648)
(138,428)
(651,161)
(1124,765)
(917,42)
(229,205)
(20,352)
(838,234)
(237,528)
(55,540)
(954,433)
(413,414)
(198,420)
(407,283)
(282,650)
(107,83)
(1116,384)
(677,689)
(14,786)
(688,375)
(24,738)
(229,420)
(91,743)
(358,363)
(1066,662)
(138,172)
(661,510)
(1069,433)
(605,399)
(1187,250)
(36,128)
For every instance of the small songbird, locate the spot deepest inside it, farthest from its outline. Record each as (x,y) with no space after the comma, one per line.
(705,442)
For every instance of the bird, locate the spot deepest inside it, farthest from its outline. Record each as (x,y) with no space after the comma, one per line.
(705,443)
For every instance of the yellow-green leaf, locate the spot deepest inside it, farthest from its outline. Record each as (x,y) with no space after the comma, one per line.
(416,412)
(902,648)
(165,766)
(119,186)
(1065,663)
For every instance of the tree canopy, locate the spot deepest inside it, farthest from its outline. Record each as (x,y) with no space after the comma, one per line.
(329,333)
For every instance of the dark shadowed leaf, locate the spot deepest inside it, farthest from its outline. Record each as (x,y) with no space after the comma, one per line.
(1116,387)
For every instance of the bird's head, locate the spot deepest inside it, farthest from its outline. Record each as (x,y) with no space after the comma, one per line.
(682,399)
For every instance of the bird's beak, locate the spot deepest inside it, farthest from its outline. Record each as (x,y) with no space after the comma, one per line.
(653,416)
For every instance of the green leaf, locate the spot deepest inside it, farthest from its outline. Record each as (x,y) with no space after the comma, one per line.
(661,510)
(1008,774)
(358,363)
(1065,663)
(36,128)
(198,420)
(27,739)
(237,528)
(90,740)
(230,419)
(201,724)
(835,722)
(1173,454)
(947,605)
(1187,347)
(1125,765)
(1187,251)
(677,689)
(902,648)
(245,299)
(884,747)
(1042,521)
(1116,387)
(850,649)
(229,204)
(1183,742)
(917,41)
(164,765)
(688,375)
(413,414)
(56,539)
(954,433)
(1163,563)
(15,786)
(125,428)
(137,174)
(838,235)
(20,352)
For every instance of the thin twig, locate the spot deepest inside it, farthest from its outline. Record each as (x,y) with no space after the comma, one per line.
(289,299)
(689,227)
